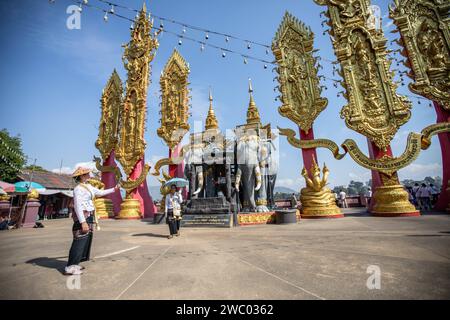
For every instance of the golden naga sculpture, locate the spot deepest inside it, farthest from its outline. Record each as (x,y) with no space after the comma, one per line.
(103,206)
(387,165)
(299,83)
(175,100)
(109,122)
(139,52)
(425,36)
(316,198)
(374,108)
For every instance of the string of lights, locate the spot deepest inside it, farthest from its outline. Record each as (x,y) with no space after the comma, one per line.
(181,37)
(185,26)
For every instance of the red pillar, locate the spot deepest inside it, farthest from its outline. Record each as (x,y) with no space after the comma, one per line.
(177,170)
(308,154)
(376,153)
(444,140)
(141,193)
(109,179)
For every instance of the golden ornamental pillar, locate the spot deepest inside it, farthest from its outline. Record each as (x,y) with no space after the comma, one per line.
(138,54)
(299,84)
(174,108)
(103,206)
(374,109)
(424,28)
(107,141)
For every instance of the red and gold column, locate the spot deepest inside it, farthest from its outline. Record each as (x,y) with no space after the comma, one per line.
(139,52)
(424,29)
(302,103)
(374,108)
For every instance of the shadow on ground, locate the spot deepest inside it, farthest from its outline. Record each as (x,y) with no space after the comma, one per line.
(150,235)
(51,263)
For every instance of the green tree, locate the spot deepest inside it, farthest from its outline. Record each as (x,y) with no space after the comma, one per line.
(35,168)
(12,158)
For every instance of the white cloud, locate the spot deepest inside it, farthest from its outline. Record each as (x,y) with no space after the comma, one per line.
(363,177)
(420,171)
(70,170)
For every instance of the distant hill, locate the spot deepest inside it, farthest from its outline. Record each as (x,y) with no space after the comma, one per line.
(284,190)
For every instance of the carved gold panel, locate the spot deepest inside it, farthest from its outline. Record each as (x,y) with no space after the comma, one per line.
(175,100)
(374,108)
(299,83)
(424,26)
(109,122)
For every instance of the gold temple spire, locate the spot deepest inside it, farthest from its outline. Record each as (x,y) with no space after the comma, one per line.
(252,111)
(211,120)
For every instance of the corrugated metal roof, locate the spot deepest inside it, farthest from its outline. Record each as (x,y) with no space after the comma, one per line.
(49,180)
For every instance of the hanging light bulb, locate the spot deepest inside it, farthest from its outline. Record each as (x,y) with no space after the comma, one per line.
(223,54)
(267,51)
(245,61)
(184,29)
(180,42)
(206,36)
(132,26)
(248,45)
(112,9)
(80,8)
(227,39)
(161,25)
(105,17)
(265,66)
(85,1)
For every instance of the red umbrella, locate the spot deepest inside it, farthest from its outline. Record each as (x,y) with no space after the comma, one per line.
(7,187)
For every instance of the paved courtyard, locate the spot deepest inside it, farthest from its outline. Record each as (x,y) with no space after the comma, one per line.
(314,259)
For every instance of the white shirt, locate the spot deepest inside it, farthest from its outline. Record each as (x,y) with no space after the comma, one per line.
(342,195)
(83,200)
(171,200)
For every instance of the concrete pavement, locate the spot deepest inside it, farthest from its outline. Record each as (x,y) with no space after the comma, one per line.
(314,259)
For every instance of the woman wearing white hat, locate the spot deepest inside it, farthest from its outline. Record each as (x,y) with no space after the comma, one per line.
(83,199)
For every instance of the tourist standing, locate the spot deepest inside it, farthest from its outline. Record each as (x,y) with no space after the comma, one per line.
(415,189)
(424,196)
(434,194)
(368,196)
(173,211)
(294,201)
(343,199)
(83,198)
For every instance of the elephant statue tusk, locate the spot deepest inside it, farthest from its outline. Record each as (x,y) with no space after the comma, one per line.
(258,177)
(238,179)
(200,183)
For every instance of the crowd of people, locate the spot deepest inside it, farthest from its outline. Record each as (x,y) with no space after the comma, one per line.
(423,196)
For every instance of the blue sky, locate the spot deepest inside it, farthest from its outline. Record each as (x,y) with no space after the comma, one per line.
(51,79)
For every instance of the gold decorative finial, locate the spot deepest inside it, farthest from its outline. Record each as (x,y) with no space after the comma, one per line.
(211,120)
(252,111)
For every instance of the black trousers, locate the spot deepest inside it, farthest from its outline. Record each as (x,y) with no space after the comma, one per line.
(174,224)
(81,245)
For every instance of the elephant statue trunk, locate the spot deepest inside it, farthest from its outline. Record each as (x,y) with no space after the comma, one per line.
(200,184)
